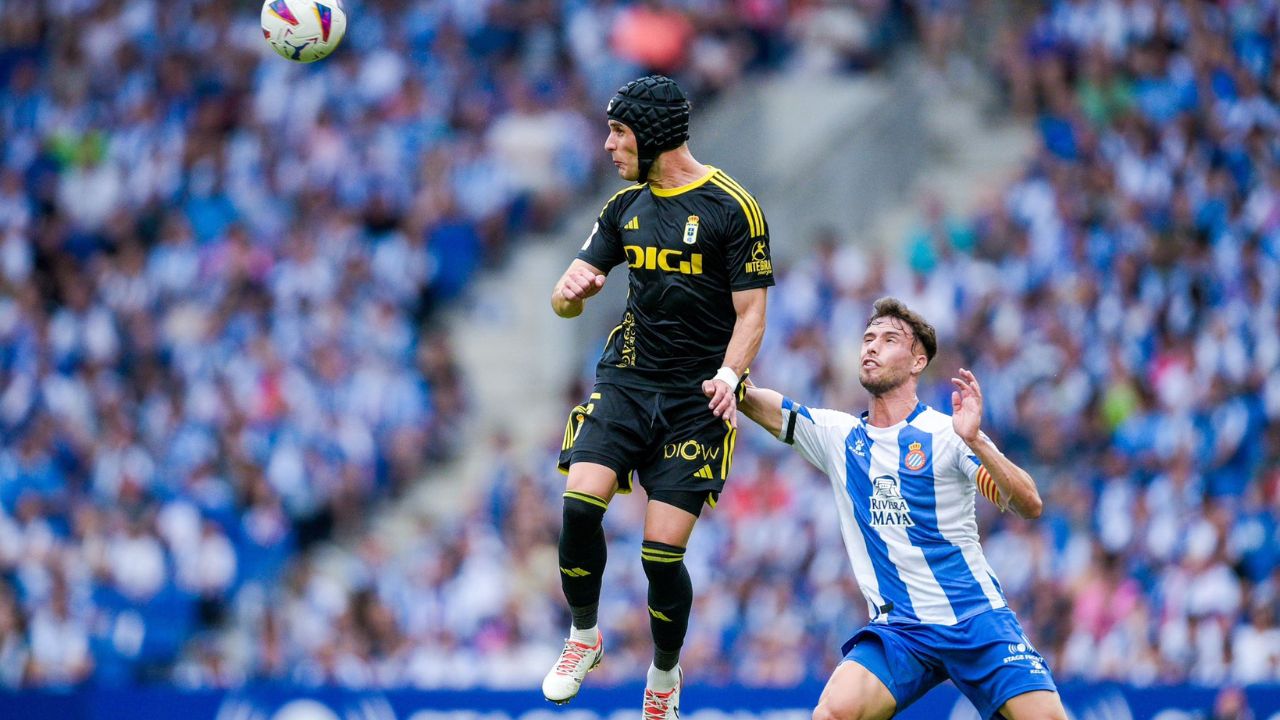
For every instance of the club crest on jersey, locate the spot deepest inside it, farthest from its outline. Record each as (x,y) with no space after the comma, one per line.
(888,509)
(691,230)
(915,458)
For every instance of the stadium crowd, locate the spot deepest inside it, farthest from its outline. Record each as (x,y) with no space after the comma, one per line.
(217,280)
(1118,301)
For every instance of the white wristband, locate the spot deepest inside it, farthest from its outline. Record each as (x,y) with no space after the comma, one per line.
(728,376)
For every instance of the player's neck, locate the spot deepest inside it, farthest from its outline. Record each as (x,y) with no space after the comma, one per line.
(893,407)
(676,168)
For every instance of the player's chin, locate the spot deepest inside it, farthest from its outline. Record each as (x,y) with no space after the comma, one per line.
(877,385)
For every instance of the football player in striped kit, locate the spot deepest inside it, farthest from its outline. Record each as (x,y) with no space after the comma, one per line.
(906,477)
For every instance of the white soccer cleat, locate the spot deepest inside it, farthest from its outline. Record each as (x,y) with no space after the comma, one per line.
(663,705)
(576,660)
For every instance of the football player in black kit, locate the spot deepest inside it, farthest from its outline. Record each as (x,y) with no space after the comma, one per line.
(697,246)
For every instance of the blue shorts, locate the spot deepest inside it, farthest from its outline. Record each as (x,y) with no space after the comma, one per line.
(987,656)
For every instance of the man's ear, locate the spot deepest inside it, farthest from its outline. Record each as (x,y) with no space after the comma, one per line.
(922,362)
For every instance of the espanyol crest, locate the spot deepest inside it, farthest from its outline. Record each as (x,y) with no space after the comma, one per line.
(915,458)
(691,230)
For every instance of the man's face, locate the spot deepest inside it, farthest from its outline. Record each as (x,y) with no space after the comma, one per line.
(622,149)
(889,354)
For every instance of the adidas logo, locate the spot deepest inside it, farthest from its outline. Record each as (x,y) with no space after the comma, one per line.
(632,224)
(705,473)
(574,572)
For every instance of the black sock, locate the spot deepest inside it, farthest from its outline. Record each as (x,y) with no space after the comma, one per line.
(670,599)
(582,555)
(665,659)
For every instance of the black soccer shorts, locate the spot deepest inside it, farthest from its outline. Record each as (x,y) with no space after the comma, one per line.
(680,451)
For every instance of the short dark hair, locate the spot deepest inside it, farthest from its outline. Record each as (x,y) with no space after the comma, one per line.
(892,307)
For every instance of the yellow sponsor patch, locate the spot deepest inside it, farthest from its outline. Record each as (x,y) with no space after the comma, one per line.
(666,260)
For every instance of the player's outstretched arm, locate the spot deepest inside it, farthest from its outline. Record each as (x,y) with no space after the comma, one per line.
(579,282)
(1016,485)
(763,406)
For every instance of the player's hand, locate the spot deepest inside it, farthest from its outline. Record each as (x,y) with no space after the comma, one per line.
(966,406)
(580,284)
(723,404)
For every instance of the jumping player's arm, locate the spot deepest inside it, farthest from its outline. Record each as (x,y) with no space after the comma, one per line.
(748,329)
(750,269)
(579,282)
(600,253)
(748,332)
(1014,486)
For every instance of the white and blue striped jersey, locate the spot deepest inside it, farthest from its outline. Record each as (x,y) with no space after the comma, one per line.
(905,495)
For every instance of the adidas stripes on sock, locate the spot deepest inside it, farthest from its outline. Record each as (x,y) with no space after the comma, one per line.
(670,599)
(582,555)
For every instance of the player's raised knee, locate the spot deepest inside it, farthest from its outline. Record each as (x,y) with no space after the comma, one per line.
(825,712)
(1036,705)
(854,693)
(843,711)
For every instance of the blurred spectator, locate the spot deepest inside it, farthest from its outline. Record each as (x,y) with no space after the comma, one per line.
(15,655)
(59,643)
(654,36)
(830,35)
(940,24)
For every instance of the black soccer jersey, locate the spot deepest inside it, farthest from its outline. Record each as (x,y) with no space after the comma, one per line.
(688,249)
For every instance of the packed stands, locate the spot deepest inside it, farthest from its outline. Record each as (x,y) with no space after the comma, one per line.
(218,274)
(1117,301)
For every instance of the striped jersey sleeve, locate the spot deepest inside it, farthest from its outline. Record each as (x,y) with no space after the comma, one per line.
(818,435)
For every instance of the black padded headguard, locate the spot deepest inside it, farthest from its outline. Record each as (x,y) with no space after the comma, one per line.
(657,111)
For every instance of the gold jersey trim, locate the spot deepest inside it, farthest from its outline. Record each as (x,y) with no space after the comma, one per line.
(624,190)
(672,192)
(751,200)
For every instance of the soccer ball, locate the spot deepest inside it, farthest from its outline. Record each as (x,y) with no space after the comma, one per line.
(303,30)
